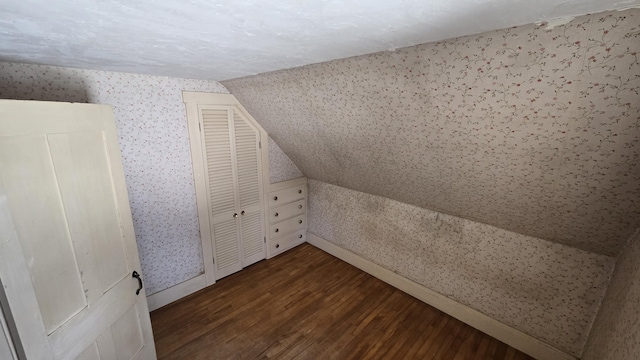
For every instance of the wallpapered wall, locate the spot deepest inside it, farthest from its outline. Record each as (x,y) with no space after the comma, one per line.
(281,168)
(531,130)
(548,290)
(153,137)
(616,331)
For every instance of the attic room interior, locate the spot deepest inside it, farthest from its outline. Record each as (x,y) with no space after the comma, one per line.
(320,179)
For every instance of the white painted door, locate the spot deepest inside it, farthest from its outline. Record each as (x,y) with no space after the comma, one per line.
(249,168)
(220,174)
(67,245)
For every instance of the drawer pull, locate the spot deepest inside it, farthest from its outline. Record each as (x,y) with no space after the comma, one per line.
(277,246)
(299,206)
(242,212)
(275,198)
(276,214)
(277,230)
(235,215)
(299,221)
(299,191)
(300,236)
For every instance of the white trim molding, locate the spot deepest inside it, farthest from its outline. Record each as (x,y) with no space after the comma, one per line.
(176,292)
(507,334)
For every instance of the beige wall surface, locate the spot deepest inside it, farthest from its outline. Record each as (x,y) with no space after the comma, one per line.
(549,291)
(529,129)
(616,331)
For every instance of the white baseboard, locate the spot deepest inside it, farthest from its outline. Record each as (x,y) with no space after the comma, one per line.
(510,336)
(176,292)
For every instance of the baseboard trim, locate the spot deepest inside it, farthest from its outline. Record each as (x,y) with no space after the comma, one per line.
(510,336)
(176,292)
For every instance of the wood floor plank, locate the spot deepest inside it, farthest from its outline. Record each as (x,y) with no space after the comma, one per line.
(307,304)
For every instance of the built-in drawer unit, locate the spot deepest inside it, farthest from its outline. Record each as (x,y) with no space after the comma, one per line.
(279,197)
(287,215)
(284,212)
(286,242)
(287,226)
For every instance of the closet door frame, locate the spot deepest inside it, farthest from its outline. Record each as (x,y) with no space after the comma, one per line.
(192,102)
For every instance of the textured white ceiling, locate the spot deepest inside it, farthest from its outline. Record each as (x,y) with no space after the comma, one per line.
(221,40)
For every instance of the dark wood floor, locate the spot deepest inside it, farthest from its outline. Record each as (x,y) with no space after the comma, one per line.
(307,304)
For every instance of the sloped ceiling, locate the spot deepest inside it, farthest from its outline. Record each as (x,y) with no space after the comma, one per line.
(216,40)
(532,130)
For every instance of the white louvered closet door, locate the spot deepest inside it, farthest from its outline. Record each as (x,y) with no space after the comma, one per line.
(234,185)
(217,130)
(249,168)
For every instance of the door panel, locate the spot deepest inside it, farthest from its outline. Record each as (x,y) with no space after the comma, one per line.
(79,332)
(84,180)
(90,353)
(65,199)
(221,186)
(106,346)
(127,337)
(247,154)
(247,140)
(29,178)
(253,239)
(218,157)
(227,254)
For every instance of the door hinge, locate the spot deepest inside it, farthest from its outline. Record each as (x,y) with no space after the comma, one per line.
(259,144)
(200,126)
(265,239)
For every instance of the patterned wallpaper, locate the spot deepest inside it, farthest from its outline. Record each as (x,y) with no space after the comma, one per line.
(531,130)
(281,168)
(153,137)
(544,289)
(616,331)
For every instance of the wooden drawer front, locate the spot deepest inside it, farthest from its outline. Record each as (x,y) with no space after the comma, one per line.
(286,211)
(287,226)
(277,198)
(288,241)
